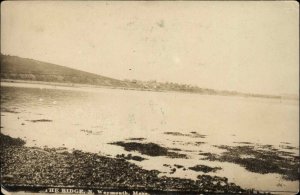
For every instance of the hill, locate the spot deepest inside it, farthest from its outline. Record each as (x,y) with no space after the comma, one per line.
(17,68)
(13,67)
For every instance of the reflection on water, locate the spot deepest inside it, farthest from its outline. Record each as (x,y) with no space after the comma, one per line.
(91,118)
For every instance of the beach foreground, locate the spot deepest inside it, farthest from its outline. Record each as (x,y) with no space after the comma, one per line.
(49,167)
(178,149)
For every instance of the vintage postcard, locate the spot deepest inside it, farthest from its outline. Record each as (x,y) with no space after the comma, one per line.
(150,97)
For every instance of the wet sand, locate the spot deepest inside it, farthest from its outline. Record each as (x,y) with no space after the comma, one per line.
(29,166)
(191,149)
(259,158)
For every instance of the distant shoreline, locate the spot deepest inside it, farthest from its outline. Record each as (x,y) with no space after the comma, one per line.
(23,70)
(76,85)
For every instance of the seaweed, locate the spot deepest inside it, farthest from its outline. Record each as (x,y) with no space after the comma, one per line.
(40,120)
(150,149)
(7,141)
(268,160)
(130,157)
(178,166)
(192,134)
(136,139)
(28,166)
(204,168)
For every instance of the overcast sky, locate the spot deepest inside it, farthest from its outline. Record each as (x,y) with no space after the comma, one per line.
(244,46)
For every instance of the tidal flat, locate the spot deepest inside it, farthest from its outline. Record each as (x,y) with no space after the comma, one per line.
(29,166)
(258,158)
(182,131)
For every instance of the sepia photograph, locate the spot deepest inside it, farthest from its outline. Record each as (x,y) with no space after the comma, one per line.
(150,97)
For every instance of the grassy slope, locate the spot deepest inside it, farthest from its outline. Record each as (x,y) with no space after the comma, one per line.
(13,67)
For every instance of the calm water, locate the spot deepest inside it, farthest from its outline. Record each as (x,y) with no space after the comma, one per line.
(116,115)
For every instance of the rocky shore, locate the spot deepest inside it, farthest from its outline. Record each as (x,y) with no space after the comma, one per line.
(259,158)
(33,166)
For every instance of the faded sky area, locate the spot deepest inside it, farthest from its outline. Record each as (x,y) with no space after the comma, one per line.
(243,46)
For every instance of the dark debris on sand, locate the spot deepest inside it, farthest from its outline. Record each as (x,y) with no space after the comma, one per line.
(288,147)
(136,139)
(243,143)
(40,120)
(178,166)
(150,149)
(130,157)
(29,166)
(9,110)
(7,141)
(262,159)
(197,135)
(204,168)
(192,134)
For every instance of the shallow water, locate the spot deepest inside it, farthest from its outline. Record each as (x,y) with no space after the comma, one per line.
(90,118)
